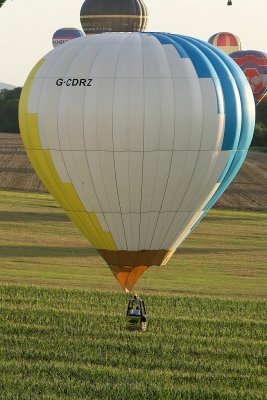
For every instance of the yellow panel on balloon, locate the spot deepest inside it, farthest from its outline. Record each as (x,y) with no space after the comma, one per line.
(64,192)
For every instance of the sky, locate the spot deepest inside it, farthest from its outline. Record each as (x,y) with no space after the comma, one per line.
(27,26)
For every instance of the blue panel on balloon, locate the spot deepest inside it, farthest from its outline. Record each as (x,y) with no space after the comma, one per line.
(164,39)
(203,67)
(248,116)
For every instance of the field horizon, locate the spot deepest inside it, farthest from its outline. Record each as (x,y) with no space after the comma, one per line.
(247,192)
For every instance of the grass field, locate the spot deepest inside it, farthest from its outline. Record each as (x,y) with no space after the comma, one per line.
(206,337)
(225,256)
(72,344)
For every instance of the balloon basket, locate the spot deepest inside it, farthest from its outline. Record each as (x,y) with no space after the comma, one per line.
(136,319)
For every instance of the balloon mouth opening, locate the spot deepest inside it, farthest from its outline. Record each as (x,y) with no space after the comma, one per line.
(128,266)
(127,276)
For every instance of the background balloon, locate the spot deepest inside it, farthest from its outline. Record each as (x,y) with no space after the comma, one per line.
(136,135)
(98,16)
(225,41)
(65,34)
(254,65)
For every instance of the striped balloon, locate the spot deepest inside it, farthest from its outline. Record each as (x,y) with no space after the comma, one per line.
(63,35)
(136,135)
(254,65)
(226,42)
(98,16)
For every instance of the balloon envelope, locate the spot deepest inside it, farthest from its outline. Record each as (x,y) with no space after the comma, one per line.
(254,65)
(63,35)
(225,41)
(136,135)
(99,16)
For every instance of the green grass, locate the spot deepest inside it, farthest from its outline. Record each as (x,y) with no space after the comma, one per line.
(65,343)
(225,256)
(72,344)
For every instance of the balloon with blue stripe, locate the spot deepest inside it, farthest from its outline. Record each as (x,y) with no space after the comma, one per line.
(136,135)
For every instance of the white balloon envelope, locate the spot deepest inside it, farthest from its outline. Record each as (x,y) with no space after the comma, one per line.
(136,135)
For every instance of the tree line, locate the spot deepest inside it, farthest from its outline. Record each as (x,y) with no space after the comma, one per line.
(260,132)
(9,100)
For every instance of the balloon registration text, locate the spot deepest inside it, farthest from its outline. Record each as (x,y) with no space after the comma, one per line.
(74,82)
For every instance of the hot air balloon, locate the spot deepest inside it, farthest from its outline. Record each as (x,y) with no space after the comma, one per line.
(136,135)
(226,42)
(98,16)
(63,35)
(254,65)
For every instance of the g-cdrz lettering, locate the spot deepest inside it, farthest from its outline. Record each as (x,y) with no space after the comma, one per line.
(74,82)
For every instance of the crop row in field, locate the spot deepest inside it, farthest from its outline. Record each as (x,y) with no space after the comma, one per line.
(72,344)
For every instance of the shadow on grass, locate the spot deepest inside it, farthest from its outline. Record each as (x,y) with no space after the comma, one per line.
(210,250)
(221,218)
(47,251)
(15,216)
(61,251)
